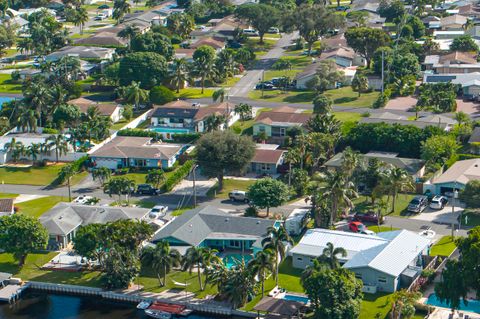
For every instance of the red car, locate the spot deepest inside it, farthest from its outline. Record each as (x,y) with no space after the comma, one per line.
(369,217)
(358,227)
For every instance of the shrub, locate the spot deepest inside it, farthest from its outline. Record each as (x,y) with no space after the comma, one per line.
(282,64)
(177,176)
(251,211)
(80,163)
(139,133)
(161,95)
(48,130)
(185,138)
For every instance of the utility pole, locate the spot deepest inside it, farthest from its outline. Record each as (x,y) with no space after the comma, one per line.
(383,57)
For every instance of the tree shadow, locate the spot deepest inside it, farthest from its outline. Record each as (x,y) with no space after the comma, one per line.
(344,99)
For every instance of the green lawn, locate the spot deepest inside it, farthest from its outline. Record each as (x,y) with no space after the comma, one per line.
(34,175)
(362,203)
(8,195)
(118,125)
(228,186)
(253,42)
(194,93)
(373,304)
(36,207)
(471,217)
(7,86)
(230,82)
(341,97)
(240,127)
(348,116)
(382,228)
(444,247)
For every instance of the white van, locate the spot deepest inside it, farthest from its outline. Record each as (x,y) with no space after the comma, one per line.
(250,32)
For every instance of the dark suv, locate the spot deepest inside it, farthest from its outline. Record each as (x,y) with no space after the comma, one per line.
(418,204)
(369,217)
(146,189)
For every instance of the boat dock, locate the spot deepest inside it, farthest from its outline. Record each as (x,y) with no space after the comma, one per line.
(11,292)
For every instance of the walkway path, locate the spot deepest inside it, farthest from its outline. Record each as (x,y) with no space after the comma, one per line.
(251,77)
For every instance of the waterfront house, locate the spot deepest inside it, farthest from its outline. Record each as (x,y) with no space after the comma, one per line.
(267,159)
(384,262)
(64,219)
(457,176)
(211,227)
(136,152)
(414,167)
(275,123)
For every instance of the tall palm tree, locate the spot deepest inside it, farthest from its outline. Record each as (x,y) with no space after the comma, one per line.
(103,174)
(25,45)
(179,73)
(276,240)
(135,94)
(65,175)
(350,161)
(262,265)
(80,18)
(18,151)
(219,95)
(214,122)
(226,62)
(45,149)
(58,96)
(33,150)
(239,286)
(334,186)
(129,32)
(210,259)
(27,119)
(205,69)
(193,258)
(329,255)
(59,143)
(398,180)
(120,9)
(37,95)
(161,259)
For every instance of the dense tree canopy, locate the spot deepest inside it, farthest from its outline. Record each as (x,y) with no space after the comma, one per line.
(261,16)
(471,194)
(148,68)
(437,150)
(268,192)
(153,42)
(365,41)
(464,43)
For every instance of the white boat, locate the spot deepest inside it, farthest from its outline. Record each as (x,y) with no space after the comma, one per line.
(143,305)
(158,314)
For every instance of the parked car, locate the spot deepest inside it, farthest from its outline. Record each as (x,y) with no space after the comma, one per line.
(418,204)
(438,202)
(100,17)
(250,32)
(369,217)
(273,30)
(342,8)
(157,211)
(82,199)
(358,227)
(146,189)
(237,195)
(265,86)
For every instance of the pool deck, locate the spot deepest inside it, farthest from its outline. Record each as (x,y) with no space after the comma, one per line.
(442,313)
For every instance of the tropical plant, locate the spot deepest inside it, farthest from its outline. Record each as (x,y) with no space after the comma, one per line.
(65,175)
(155,177)
(103,174)
(135,94)
(120,8)
(244,110)
(119,186)
(360,83)
(32,151)
(398,180)
(219,95)
(329,255)
(214,122)
(239,285)
(276,241)
(129,32)
(193,258)
(179,73)
(59,143)
(262,265)
(161,258)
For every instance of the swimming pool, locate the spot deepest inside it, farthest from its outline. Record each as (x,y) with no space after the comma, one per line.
(472,306)
(170,130)
(298,298)
(231,260)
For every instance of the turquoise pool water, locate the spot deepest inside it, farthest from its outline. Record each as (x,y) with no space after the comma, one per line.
(170,130)
(296,298)
(231,260)
(472,306)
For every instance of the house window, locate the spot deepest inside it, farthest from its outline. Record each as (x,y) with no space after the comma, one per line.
(358,276)
(382,279)
(299,258)
(265,167)
(234,243)
(282,131)
(140,163)
(261,128)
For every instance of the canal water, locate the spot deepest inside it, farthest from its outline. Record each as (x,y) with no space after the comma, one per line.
(39,305)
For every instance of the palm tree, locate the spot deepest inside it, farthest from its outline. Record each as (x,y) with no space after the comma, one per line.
(219,95)
(360,83)
(92,119)
(161,259)
(210,260)
(134,94)
(37,95)
(239,286)
(226,62)
(80,18)
(399,180)
(334,186)
(179,73)
(59,143)
(65,174)
(58,96)
(102,173)
(119,186)
(18,151)
(120,8)
(25,45)
(329,255)
(32,151)
(27,119)
(350,161)
(276,240)
(45,148)
(193,258)
(205,69)
(129,32)
(155,177)
(213,122)
(262,265)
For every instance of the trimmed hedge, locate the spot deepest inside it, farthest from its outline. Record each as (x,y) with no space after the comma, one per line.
(185,138)
(139,133)
(177,176)
(467,156)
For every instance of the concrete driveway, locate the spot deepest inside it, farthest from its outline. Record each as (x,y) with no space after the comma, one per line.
(401,103)
(444,216)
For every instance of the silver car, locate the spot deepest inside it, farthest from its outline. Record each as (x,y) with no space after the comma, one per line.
(438,202)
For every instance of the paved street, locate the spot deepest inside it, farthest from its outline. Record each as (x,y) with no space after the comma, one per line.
(251,77)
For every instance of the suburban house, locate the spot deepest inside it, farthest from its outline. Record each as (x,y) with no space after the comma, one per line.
(104,38)
(469,10)
(469,82)
(267,159)
(455,62)
(456,177)
(275,123)
(343,56)
(82,52)
(447,35)
(215,43)
(349,72)
(386,262)
(454,22)
(109,109)
(414,167)
(140,152)
(64,219)
(186,54)
(211,227)
(6,206)
(179,117)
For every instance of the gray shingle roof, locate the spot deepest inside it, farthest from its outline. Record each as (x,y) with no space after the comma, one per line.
(63,218)
(194,226)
